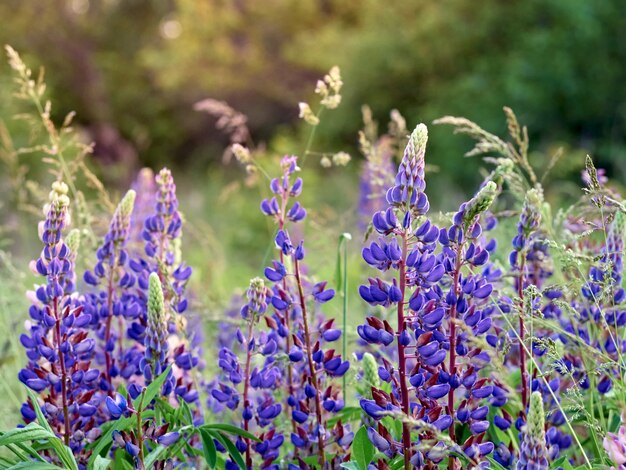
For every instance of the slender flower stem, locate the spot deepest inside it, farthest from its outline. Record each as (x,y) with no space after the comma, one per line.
(66,417)
(139,428)
(404,391)
(452,363)
(281,226)
(307,338)
(309,141)
(107,333)
(344,345)
(522,360)
(246,388)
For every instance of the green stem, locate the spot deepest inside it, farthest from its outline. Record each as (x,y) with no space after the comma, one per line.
(343,239)
(309,141)
(139,428)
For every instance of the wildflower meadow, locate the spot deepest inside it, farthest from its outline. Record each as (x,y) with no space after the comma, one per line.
(490,334)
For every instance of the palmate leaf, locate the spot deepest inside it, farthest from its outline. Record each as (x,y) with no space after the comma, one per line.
(494,463)
(64,453)
(347,414)
(120,460)
(397,463)
(32,450)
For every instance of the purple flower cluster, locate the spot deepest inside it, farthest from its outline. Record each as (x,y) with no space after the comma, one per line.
(82,347)
(57,344)
(441,297)
(116,304)
(311,395)
(161,234)
(145,189)
(254,384)
(377,174)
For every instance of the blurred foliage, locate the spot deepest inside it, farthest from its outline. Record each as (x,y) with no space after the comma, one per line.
(133,69)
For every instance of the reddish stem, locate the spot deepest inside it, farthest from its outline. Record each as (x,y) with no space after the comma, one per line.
(57,331)
(281,226)
(307,338)
(107,332)
(404,391)
(246,388)
(452,363)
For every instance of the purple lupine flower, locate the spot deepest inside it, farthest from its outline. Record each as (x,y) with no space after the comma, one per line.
(533,451)
(161,234)
(377,174)
(309,364)
(431,294)
(410,185)
(145,188)
(253,383)
(615,446)
(57,344)
(523,242)
(115,304)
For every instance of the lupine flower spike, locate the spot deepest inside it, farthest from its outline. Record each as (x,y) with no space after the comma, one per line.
(533,451)
(58,345)
(155,361)
(114,304)
(427,331)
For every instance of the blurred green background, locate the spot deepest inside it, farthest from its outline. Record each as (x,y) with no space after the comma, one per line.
(133,70)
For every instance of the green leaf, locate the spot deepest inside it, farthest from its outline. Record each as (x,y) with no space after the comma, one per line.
(35,466)
(103,443)
(30,432)
(153,456)
(208,448)
(397,463)
(187,415)
(347,414)
(362,448)
(64,453)
(120,460)
(352,465)
(6,462)
(32,450)
(494,464)
(43,422)
(232,450)
(563,463)
(152,390)
(21,457)
(101,463)
(230,429)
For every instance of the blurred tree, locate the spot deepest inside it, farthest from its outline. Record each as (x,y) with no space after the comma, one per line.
(133,69)
(558,63)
